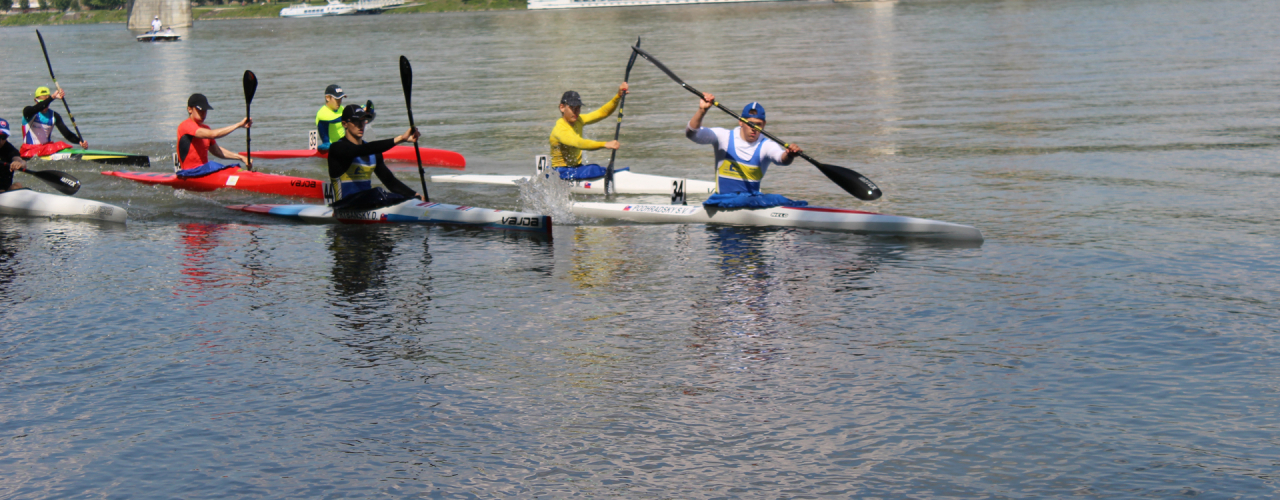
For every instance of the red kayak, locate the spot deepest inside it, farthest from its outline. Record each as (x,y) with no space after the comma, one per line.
(233,178)
(430,157)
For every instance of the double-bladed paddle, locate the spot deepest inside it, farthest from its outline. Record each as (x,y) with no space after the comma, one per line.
(856,184)
(55,84)
(608,171)
(61,181)
(406,81)
(250,88)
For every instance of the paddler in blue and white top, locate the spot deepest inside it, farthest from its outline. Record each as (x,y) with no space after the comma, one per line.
(196,140)
(38,122)
(743,156)
(353,163)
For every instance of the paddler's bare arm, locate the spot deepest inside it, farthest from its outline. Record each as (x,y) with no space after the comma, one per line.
(219,133)
(224,154)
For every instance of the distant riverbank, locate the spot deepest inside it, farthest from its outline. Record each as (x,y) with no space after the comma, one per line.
(252,11)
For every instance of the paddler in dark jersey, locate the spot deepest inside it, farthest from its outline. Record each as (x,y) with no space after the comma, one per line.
(196,140)
(38,122)
(353,163)
(10,160)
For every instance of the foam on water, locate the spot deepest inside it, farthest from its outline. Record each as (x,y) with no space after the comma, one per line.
(547,195)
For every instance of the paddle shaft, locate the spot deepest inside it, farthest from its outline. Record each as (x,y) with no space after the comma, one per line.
(856,184)
(55,84)
(617,130)
(406,81)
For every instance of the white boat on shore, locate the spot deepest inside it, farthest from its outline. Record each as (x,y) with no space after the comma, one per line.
(333,8)
(28,203)
(822,218)
(625,182)
(573,4)
(337,8)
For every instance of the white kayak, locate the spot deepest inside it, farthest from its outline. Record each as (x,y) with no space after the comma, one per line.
(412,211)
(29,203)
(625,182)
(833,219)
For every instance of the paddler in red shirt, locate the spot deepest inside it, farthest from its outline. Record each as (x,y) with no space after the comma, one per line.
(196,141)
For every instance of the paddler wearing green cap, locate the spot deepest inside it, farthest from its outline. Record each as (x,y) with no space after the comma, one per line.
(38,122)
(566,139)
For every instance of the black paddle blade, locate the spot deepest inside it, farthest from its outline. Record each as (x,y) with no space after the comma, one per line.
(856,184)
(62,181)
(250,85)
(406,77)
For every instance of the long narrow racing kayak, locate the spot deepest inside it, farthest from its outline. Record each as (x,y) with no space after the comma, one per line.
(103,157)
(624,181)
(430,157)
(832,219)
(412,211)
(29,203)
(233,178)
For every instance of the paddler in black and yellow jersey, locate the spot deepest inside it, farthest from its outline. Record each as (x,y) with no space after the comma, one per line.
(353,163)
(567,142)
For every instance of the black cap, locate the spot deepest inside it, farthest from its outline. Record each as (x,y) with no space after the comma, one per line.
(199,101)
(571,98)
(353,113)
(335,91)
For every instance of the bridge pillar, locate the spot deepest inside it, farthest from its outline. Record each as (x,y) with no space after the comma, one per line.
(175,13)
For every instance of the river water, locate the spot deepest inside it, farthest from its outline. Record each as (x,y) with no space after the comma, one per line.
(1114,337)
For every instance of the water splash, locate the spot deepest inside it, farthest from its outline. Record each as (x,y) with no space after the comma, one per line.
(547,195)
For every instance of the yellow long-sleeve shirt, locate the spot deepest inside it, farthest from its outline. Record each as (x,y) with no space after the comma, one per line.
(567,142)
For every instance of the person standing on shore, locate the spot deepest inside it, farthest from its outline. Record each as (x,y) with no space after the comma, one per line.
(566,139)
(38,122)
(196,140)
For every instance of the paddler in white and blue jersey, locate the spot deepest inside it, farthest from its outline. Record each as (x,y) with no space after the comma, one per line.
(743,155)
(38,122)
(353,163)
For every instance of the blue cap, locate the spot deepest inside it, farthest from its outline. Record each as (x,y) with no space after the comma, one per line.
(4,127)
(753,110)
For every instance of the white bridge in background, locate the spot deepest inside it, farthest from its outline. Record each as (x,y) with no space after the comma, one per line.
(572,4)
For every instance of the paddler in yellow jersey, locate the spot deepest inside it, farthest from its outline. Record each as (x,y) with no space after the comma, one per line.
(567,142)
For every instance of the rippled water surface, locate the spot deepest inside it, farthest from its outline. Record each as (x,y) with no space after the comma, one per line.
(1115,336)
